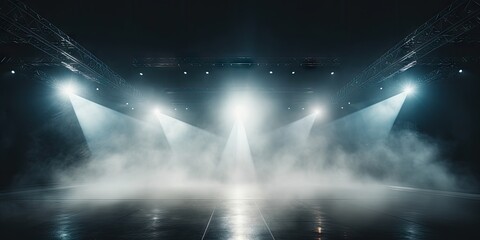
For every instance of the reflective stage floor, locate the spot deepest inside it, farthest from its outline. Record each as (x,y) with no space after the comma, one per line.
(401,213)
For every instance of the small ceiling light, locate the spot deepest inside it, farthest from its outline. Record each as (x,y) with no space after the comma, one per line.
(271,72)
(207,73)
(185,73)
(97,89)
(133,108)
(348,103)
(341,107)
(332,73)
(288,108)
(13,71)
(303,108)
(141,74)
(460,71)
(293,73)
(126,103)
(186,108)
(381,88)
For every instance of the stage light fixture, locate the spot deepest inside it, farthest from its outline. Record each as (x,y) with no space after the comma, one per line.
(240,111)
(68,89)
(409,89)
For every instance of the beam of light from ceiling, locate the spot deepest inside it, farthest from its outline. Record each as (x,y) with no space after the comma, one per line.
(107,131)
(277,147)
(367,125)
(192,146)
(236,164)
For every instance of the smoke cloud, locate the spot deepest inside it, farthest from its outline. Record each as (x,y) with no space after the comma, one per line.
(132,158)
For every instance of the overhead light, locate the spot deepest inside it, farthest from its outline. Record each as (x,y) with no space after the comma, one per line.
(126,103)
(293,73)
(185,73)
(332,73)
(97,89)
(68,89)
(348,103)
(341,107)
(288,108)
(271,72)
(207,73)
(381,88)
(409,89)
(13,71)
(141,74)
(460,71)
(240,111)
(156,111)
(133,108)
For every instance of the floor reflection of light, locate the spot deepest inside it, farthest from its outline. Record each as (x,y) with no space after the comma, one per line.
(239,220)
(63,224)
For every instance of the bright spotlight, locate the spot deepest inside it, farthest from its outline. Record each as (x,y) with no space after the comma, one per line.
(185,73)
(293,73)
(240,111)
(460,71)
(409,89)
(141,74)
(13,71)
(156,111)
(68,89)
(207,73)
(271,72)
(332,73)
(317,111)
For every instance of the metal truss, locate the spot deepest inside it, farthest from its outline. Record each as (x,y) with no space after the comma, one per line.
(45,61)
(449,61)
(235,62)
(457,19)
(29,27)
